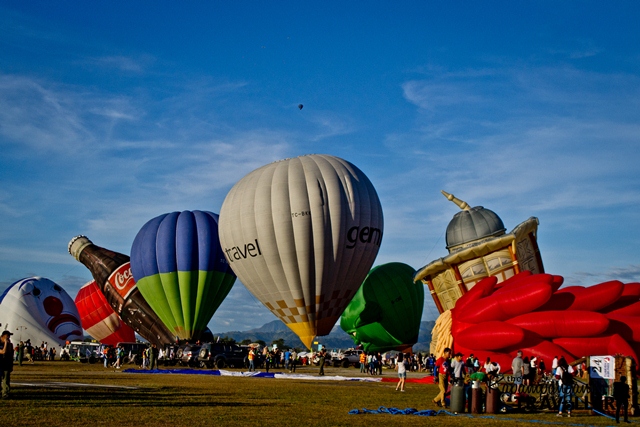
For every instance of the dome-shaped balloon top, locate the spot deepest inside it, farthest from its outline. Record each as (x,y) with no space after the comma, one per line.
(471,224)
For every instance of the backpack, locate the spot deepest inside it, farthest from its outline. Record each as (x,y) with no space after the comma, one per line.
(566,377)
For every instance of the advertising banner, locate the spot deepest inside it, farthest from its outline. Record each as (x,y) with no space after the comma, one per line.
(602,367)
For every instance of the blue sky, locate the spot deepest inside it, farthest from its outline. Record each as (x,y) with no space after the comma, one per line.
(112,113)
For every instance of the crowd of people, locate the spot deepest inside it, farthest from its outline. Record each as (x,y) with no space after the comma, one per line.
(448,369)
(26,351)
(451,369)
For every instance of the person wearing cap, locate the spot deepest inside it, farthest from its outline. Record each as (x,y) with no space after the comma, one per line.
(6,363)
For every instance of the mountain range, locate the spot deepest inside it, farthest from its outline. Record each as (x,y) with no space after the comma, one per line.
(337,339)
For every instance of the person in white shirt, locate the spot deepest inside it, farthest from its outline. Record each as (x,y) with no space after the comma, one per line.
(401,367)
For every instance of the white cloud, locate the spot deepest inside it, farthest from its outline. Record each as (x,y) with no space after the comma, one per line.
(13,254)
(39,117)
(552,134)
(122,63)
(557,143)
(628,274)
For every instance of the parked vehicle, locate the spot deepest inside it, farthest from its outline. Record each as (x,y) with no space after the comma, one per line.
(221,355)
(347,358)
(80,351)
(169,355)
(188,356)
(133,351)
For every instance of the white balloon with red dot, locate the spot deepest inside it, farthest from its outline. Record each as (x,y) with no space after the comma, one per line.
(39,310)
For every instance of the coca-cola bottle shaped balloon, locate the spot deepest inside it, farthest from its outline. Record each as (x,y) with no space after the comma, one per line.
(112,273)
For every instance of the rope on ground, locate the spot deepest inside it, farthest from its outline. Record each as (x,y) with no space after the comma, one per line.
(603,414)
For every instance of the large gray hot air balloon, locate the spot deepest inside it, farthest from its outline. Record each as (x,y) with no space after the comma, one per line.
(302,234)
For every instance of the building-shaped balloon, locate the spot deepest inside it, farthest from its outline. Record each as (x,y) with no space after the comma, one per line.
(479,247)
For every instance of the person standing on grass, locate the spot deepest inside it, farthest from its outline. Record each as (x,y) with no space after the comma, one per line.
(287,359)
(6,363)
(105,355)
(20,353)
(564,373)
(250,357)
(517,366)
(145,358)
(153,357)
(621,395)
(441,369)
(459,369)
(119,357)
(526,370)
(265,355)
(322,356)
(401,367)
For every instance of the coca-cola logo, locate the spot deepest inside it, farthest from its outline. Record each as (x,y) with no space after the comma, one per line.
(122,279)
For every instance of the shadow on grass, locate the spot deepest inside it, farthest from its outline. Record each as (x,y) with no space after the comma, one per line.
(141,398)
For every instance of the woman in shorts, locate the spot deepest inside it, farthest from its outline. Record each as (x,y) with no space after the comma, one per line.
(401,367)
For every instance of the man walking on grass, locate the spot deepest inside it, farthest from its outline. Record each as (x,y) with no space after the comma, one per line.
(6,363)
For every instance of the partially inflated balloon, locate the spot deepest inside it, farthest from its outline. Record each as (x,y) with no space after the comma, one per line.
(301,234)
(532,313)
(39,310)
(181,271)
(386,311)
(99,319)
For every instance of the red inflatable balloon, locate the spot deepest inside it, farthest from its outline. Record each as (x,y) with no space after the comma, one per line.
(554,324)
(99,319)
(509,303)
(490,336)
(532,313)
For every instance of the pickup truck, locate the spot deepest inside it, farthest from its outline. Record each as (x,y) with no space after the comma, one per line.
(347,358)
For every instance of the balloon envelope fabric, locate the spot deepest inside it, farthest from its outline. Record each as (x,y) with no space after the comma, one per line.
(181,270)
(98,318)
(386,311)
(39,310)
(302,234)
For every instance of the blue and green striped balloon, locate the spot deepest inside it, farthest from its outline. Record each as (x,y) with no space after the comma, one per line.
(181,271)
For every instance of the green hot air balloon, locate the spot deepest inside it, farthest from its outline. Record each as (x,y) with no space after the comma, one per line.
(181,270)
(386,311)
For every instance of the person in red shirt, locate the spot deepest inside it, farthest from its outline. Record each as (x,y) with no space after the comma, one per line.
(442,368)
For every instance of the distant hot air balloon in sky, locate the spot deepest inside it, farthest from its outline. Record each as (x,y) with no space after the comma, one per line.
(301,234)
(300,106)
(39,310)
(99,319)
(386,311)
(181,271)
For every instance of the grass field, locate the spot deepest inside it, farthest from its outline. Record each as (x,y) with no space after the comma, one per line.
(199,400)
